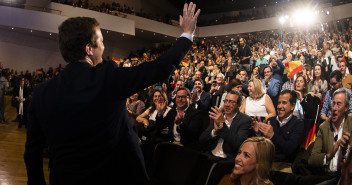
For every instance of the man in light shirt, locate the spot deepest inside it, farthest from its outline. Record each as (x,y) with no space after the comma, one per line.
(333,137)
(228,129)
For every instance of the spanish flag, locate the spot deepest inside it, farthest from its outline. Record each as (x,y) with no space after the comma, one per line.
(135,58)
(217,60)
(194,47)
(116,60)
(145,55)
(176,72)
(293,68)
(311,135)
(184,63)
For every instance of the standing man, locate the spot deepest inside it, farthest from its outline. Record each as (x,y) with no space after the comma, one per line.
(82,115)
(244,55)
(4,83)
(333,137)
(20,92)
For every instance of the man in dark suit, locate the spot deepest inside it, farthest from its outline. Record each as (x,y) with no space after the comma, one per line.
(285,131)
(82,115)
(226,133)
(200,99)
(20,92)
(184,122)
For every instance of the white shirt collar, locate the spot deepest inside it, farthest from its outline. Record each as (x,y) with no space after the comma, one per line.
(284,121)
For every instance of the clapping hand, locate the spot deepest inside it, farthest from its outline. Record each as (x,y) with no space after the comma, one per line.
(217,116)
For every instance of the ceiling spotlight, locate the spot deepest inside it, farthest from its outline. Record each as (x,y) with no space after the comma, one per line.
(107,31)
(12,28)
(327,12)
(165,36)
(282,20)
(123,35)
(49,33)
(153,33)
(142,31)
(31,31)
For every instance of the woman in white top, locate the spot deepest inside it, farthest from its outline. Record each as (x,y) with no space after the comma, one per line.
(257,104)
(149,115)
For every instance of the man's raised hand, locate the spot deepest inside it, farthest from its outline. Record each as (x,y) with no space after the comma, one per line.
(189,20)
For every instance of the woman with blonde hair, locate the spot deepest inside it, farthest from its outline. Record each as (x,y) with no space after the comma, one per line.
(258,104)
(252,163)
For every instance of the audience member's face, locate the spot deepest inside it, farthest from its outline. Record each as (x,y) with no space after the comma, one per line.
(342,67)
(97,53)
(197,75)
(246,160)
(261,55)
(243,76)
(317,71)
(273,62)
(241,41)
(250,89)
(134,97)
(22,82)
(256,70)
(219,79)
(237,88)
(158,98)
(302,59)
(198,85)
(334,84)
(182,99)
(284,107)
(268,73)
(202,63)
(230,104)
(338,108)
(299,86)
(178,84)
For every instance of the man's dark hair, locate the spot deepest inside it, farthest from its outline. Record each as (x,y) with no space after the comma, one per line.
(337,75)
(184,89)
(199,80)
(293,96)
(239,100)
(268,67)
(233,83)
(74,35)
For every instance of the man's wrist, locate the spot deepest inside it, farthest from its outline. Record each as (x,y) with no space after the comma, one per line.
(189,36)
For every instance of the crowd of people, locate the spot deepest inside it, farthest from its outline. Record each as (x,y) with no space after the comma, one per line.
(226,92)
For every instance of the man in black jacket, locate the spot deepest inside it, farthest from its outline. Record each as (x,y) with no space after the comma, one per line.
(228,129)
(82,115)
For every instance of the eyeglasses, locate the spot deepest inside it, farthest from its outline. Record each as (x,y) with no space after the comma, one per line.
(229,101)
(333,84)
(181,97)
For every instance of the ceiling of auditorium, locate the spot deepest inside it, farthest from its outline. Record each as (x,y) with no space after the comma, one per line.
(211,6)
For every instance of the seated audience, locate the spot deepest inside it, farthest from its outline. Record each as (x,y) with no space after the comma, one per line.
(243,77)
(148,117)
(333,137)
(255,73)
(346,78)
(284,130)
(252,164)
(228,129)
(319,84)
(270,84)
(184,122)
(171,96)
(135,107)
(200,99)
(217,89)
(335,83)
(234,85)
(307,103)
(258,103)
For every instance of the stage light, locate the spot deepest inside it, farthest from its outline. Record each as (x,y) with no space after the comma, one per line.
(304,17)
(327,12)
(282,20)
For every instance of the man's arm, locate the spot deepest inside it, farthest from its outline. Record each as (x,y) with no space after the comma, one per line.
(273,89)
(203,104)
(33,155)
(235,139)
(326,106)
(146,74)
(316,159)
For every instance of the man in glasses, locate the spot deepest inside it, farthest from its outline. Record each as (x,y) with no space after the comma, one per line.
(228,129)
(184,122)
(335,83)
